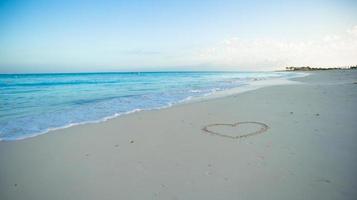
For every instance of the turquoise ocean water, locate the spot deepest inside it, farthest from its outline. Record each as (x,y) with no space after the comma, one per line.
(32,104)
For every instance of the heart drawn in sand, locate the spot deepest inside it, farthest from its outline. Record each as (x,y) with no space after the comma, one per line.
(236,130)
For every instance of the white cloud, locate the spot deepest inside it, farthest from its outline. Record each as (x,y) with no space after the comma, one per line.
(266,54)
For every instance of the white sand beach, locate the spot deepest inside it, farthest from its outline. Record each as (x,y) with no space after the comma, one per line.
(307,150)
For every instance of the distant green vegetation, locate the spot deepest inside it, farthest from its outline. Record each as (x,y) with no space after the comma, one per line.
(308,68)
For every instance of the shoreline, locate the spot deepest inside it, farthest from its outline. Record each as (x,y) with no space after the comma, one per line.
(306,150)
(252,85)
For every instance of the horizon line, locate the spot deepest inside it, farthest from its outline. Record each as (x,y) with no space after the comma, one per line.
(134,71)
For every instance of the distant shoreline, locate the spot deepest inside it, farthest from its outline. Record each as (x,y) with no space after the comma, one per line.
(307,68)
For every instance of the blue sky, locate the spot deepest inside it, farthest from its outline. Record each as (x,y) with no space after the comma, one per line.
(66,36)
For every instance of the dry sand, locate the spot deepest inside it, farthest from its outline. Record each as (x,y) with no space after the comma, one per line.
(308,150)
